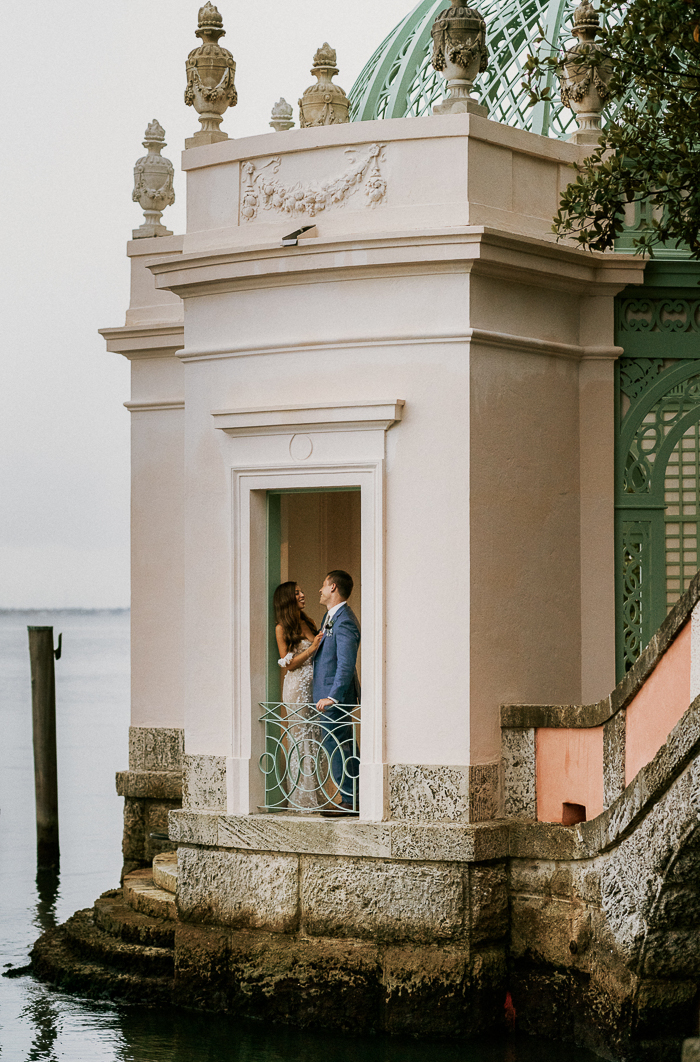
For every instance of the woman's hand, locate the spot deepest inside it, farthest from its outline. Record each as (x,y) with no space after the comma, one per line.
(316,642)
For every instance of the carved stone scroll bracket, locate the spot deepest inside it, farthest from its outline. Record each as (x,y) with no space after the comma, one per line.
(263,190)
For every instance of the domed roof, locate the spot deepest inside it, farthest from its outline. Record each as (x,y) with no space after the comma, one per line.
(399,81)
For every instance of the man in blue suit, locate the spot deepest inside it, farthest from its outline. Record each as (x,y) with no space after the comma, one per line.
(336,683)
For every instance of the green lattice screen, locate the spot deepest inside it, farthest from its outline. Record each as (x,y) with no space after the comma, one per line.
(399,81)
(657,458)
(682,490)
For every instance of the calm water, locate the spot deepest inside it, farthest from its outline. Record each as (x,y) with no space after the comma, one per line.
(40,1025)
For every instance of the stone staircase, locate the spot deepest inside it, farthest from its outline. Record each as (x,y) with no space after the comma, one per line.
(124,946)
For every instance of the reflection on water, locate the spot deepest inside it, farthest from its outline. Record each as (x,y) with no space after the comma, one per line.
(38,1024)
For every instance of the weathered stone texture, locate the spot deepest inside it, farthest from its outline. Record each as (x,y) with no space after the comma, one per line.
(150,785)
(156,748)
(614,751)
(189,828)
(204,783)
(246,890)
(691,1051)
(519,779)
(483,792)
(421,793)
(381,900)
(488,902)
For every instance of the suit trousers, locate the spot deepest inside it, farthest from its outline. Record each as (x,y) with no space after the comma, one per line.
(343,752)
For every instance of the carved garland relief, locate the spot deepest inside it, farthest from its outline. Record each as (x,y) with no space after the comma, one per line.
(263,190)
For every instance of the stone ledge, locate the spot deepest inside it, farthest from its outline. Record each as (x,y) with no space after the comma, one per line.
(590,715)
(150,785)
(440,842)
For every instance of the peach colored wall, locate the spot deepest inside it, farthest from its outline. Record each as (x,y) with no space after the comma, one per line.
(569,769)
(658,706)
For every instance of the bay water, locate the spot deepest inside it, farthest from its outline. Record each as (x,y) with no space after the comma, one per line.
(39,1024)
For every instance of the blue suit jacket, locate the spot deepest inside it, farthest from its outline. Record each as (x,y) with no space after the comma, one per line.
(335,662)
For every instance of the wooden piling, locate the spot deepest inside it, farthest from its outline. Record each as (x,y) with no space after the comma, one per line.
(41,655)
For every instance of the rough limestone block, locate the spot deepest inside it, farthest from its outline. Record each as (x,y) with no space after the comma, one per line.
(380,900)
(156,748)
(313,836)
(243,890)
(483,792)
(204,783)
(454,844)
(519,778)
(194,828)
(691,1051)
(150,785)
(614,749)
(488,897)
(134,831)
(419,793)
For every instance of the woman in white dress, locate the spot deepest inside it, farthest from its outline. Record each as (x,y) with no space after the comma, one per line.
(297,640)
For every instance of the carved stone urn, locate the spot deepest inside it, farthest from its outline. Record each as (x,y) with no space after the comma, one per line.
(211,72)
(324,103)
(153,183)
(460,53)
(584,76)
(281,118)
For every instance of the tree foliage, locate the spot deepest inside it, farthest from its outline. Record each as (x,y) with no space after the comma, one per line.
(649,152)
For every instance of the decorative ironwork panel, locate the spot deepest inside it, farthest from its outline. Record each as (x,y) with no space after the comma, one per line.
(652,431)
(657,459)
(312,759)
(669,316)
(636,552)
(682,492)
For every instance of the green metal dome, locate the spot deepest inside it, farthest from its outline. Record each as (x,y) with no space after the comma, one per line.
(399,81)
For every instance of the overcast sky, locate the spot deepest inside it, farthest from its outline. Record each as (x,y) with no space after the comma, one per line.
(80,82)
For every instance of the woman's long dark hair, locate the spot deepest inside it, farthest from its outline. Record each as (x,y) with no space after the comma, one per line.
(289,615)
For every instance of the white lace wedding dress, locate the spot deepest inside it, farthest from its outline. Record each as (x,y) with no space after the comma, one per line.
(302,739)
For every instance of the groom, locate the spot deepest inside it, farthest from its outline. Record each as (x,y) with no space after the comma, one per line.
(336,683)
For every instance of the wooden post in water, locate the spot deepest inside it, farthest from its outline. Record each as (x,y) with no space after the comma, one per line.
(41,655)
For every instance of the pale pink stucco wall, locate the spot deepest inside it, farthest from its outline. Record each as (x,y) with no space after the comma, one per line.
(658,706)
(569,769)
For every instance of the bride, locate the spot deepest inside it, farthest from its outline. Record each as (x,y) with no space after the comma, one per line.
(297,640)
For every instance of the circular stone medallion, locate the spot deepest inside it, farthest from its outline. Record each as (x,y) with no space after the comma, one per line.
(301,447)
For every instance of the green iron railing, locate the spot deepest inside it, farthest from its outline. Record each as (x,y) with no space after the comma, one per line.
(311,760)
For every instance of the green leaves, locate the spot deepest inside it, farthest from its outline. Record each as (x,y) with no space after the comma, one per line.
(649,156)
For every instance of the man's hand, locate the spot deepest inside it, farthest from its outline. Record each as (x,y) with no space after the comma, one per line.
(324,703)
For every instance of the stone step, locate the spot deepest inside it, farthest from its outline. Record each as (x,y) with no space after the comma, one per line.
(54,960)
(165,871)
(87,941)
(114,916)
(142,894)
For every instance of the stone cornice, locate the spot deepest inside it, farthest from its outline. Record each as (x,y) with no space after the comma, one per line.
(477,249)
(145,341)
(155,407)
(279,420)
(393,130)
(482,336)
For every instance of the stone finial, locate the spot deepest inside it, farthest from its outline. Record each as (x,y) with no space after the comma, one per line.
(460,52)
(153,183)
(584,76)
(324,103)
(281,118)
(211,73)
